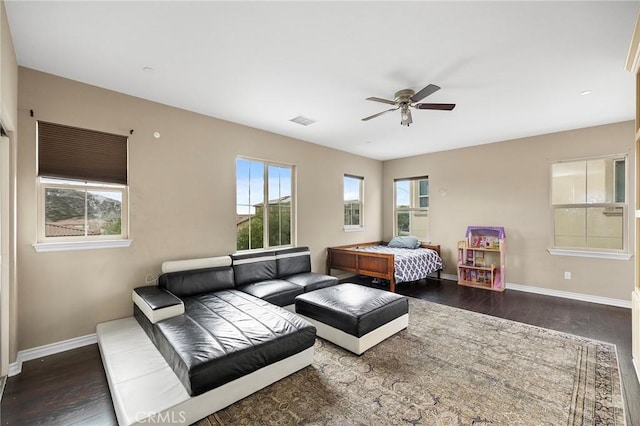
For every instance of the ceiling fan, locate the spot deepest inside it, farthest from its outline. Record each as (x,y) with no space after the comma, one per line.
(406,98)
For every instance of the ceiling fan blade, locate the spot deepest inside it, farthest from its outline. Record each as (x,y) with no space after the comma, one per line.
(378,114)
(384,101)
(425,92)
(442,107)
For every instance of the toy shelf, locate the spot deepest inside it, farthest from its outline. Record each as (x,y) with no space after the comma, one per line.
(481,259)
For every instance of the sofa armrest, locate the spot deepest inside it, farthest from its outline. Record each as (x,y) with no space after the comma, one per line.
(157,303)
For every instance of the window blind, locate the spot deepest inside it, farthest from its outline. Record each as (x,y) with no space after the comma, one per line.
(73,153)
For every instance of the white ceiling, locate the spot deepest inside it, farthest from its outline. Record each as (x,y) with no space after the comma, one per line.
(514,69)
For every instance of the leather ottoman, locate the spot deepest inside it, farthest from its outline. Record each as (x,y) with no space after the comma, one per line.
(352,316)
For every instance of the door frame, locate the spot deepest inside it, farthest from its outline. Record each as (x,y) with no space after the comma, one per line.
(5,211)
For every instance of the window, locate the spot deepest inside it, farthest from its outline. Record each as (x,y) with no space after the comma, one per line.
(353,202)
(423,192)
(81,209)
(411,207)
(619,177)
(589,205)
(82,183)
(261,224)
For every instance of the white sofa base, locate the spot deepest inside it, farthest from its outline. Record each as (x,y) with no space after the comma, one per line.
(145,389)
(358,345)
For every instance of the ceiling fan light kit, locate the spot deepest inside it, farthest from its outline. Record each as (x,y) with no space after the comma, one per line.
(407,98)
(405,116)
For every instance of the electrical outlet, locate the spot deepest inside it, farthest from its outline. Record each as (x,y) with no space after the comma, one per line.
(567,275)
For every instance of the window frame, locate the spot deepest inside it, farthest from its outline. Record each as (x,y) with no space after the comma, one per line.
(265,194)
(360,226)
(43,185)
(414,193)
(424,211)
(81,159)
(613,206)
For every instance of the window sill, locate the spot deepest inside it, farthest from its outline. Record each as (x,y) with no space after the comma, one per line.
(353,228)
(80,245)
(592,254)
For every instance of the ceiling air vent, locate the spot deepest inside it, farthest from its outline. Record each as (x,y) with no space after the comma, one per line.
(303,120)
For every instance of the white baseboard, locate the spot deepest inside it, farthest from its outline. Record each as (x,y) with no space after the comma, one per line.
(50,349)
(559,293)
(569,295)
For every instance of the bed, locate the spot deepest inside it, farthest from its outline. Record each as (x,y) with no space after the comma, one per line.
(376,259)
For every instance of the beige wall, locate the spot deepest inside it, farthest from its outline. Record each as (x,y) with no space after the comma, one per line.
(182,201)
(182,197)
(9,117)
(508,184)
(9,74)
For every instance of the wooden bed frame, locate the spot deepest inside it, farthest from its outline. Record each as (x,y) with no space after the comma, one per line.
(378,265)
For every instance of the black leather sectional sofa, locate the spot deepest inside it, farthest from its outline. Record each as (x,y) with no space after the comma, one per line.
(278,276)
(215,325)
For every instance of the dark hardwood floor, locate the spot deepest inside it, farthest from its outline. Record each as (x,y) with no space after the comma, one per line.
(71,387)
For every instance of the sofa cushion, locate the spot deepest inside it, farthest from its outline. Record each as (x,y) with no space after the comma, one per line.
(252,267)
(227,334)
(278,292)
(310,281)
(293,261)
(196,281)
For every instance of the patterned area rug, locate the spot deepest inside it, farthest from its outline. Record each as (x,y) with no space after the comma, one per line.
(450,367)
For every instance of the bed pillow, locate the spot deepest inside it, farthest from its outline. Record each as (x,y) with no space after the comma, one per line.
(408,241)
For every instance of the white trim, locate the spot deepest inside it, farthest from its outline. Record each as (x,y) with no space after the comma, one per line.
(636,366)
(8,124)
(295,254)
(637,214)
(560,293)
(254,259)
(5,252)
(621,303)
(352,228)
(570,295)
(50,349)
(145,390)
(188,264)
(359,345)
(80,245)
(633,56)
(592,254)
